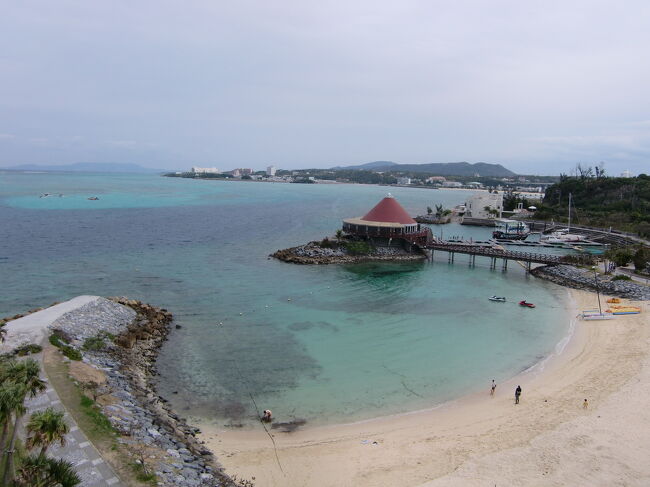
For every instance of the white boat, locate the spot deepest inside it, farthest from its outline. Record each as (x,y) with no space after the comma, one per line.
(563,237)
(595,315)
(499,299)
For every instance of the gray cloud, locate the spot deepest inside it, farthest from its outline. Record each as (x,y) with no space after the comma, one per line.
(537,86)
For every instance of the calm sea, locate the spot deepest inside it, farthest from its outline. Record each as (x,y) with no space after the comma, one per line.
(326,343)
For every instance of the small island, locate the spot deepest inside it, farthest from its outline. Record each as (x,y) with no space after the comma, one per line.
(385,233)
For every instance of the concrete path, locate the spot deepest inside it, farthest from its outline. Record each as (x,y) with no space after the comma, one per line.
(90,466)
(92,469)
(33,328)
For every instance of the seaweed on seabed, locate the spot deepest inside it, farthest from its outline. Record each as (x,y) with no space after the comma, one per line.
(289,426)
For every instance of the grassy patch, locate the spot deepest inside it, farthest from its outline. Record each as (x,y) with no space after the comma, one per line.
(100,423)
(142,474)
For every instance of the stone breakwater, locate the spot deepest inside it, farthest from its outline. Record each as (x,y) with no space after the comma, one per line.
(144,420)
(313,253)
(584,279)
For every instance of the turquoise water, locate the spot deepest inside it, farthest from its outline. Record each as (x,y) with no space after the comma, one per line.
(325,343)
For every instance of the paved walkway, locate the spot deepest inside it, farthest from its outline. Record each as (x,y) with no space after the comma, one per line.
(33,328)
(90,466)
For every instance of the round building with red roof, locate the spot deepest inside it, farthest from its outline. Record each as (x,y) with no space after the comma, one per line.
(387,220)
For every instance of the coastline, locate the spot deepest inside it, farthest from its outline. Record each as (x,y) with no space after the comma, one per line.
(450,442)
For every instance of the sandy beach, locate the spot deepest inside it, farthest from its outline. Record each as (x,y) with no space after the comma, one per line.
(548,439)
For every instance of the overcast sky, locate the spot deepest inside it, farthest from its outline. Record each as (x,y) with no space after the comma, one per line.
(535,85)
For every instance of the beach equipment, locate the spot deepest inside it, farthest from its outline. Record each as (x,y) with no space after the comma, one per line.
(624,310)
(613,300)
(595,315)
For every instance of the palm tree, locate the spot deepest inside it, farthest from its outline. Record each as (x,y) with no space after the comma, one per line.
(26,375)
(10,399)
(46,427)
(41,471)
(339,235)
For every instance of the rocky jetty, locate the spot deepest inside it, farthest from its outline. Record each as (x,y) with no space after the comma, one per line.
(133,332)
(315,253)
(584,279)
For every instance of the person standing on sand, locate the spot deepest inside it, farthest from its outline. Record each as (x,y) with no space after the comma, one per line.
(517,394)
(494,386)
(585,405)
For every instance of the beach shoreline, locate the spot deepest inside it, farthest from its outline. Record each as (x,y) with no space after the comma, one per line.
(596,361)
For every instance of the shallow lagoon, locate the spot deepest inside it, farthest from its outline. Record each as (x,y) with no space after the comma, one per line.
(328,343)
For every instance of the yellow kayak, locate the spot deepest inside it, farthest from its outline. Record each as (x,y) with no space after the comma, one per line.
(624,310)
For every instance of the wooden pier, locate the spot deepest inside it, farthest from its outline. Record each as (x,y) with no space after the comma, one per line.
(527,258)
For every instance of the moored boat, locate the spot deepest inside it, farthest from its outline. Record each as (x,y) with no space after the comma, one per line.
(525,303)
(499,299)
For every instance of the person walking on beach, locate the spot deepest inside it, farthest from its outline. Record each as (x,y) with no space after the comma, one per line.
(585,405)
(494,386)
(517,394)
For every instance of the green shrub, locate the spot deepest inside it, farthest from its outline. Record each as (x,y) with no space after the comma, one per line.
(28,349)
(96,343)
(56,341)
(621,277)
(71,353)
(326,243)
(358,248)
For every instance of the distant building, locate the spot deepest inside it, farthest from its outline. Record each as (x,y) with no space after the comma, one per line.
(270,171)
(452,184)
(205,170)
(626,174)
(436,179)
(484,205)
(403,180)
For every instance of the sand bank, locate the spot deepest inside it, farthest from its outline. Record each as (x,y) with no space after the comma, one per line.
(548,439)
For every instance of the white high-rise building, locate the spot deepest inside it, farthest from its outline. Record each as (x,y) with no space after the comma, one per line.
(204,170)
(270,171)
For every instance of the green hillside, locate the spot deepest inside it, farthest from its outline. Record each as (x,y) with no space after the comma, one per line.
(622,203)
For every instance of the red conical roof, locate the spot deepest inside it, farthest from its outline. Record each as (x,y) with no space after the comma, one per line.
(389,210)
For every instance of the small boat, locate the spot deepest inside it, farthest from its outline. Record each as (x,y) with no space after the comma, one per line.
(93,198)
(595,315)
(524,303)
(498,299)
(614,300)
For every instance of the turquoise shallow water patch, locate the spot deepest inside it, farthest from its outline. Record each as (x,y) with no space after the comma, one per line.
(325,343)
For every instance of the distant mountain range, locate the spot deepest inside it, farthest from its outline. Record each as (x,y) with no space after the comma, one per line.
(88,167)
(440,169)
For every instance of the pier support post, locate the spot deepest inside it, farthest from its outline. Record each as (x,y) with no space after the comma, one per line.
(505,265)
